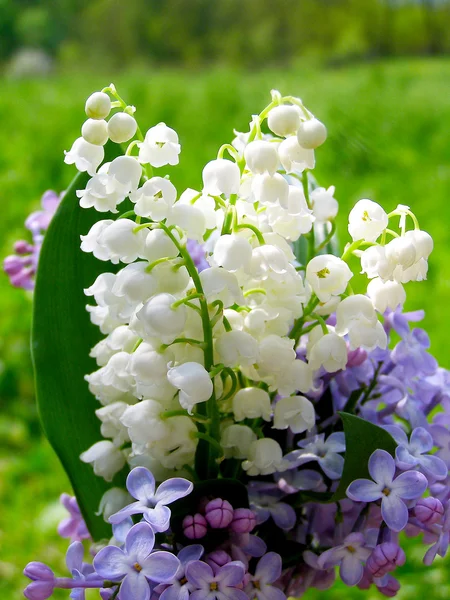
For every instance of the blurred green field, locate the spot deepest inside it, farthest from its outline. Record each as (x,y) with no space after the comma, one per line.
(388,141)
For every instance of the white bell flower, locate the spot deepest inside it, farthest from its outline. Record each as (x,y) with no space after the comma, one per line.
(422,241)
(116,374)
(252,403)
(363,334)
(90,241)
(160,320)
(121,127)
(106,318)
(160,146)
(354,308)
(154,199)
(264,458)
(111,426)
(386,294)
(220,284)
(294,157)
(261,157)
(275,239)
(324,204)
(367,221)
(144,424)
(178,447)
(194,383)
(270,189)
(204,202)
(296,220)
(328,276)
(296,377)
(105,458)
(112,501)
(275,353)
(95,132)
(237,348)
(98,105)
(328,351)
(375,264)
(170,280)
(102,288)
(159,245)
(284,120)
(236,441)
(311,133)
(134,283)
(106,393)
(295,412)
(85,156)
(190,219)
(327,308)
(232,252)
(268,262)
(120,339)
(221,176)
(149,368)
(423,244)
(122,242)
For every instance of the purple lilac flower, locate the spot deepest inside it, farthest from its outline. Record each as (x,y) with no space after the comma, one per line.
(442,539)
(21,266)
(217,559)
(198,255)
(218,513)
(265,502)
(195,526)
(152,504)
(267,572)
(384,558)
(137,566)
(326,453)
(244,520)
(411,354)
(399,321)
(390,489)
(441,437)
(179,588)
(429,510)
(414,453)
(350,556)
(72,527)
(42,581)
(83,573)
(221,585)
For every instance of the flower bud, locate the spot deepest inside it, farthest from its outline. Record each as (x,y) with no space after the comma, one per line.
(366,221)
(159,245)
(284,120)
(121,127)
(429,510)
(244,520)
(311,134)
(39,590)
(261,157)
(219,513)
(221,176)
(190,219)
(384,558)
(37,571)
(95,131)
(98,105)
(195,527)
(217,559)
(389,587)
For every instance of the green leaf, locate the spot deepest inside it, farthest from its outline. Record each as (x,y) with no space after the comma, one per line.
(62,337)
(362,438)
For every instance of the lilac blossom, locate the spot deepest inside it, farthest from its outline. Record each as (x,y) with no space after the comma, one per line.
(429,510)
(218,513)
(411,354)
(326,453)
(152,504)
(441,437)
(267,572)
(221,585)
(72,527)
(414,453)
(198,255)
(136,566)
(265,502)
(391,490)
(350,556)
(384,558)
(442,539)
(179,588)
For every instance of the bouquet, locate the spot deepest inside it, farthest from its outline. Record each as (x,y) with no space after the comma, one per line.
(257,416)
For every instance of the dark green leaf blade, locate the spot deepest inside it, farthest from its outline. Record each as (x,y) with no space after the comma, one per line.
(362,438)
(62,337)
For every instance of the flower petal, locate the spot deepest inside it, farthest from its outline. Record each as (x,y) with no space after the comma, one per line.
(234,594)
(74,556)
(420,441)
(160,567)
(336,442)
(409,485)
(394,512)
(332,465)
(382,467)
(231,574)
(283,515)
(188,553)
(268,569)
(111,563)
(141,485)
(135,508)
(351,570)
(405,460)
(140,541)
(158,517)
(175,592)
(135,587)
(364,490)
(172,490)
(270,592)
(434,466)
(199,574)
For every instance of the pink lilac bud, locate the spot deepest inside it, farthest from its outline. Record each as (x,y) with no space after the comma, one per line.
(390,587)
(43,581)
(23,247)
(244,520)
(195,527)
(217,559)
(384,558)
(219,513)
(429,510)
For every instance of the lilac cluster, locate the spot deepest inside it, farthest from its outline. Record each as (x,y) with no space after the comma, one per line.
(21,266)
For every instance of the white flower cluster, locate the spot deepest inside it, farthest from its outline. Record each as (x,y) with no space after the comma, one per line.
(223,354)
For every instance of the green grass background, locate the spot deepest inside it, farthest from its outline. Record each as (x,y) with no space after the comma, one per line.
(388,140)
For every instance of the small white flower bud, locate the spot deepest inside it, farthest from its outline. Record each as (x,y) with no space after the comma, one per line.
(121,127)
(261,157)
(311,134)
(328,276)
(366,221)
(221,176)
(236,441)
(386,294)
(264,457)
(252,403)
(105,458)
(98,105)
(112,501)
(295,412)
(160,320)
(95,131)
(232,252)
(284,120)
